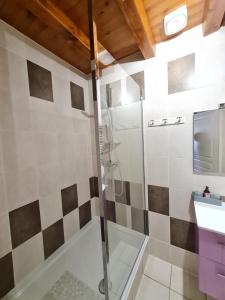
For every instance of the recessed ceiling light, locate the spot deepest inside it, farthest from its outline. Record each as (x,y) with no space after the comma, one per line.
(176,20)
(105,58)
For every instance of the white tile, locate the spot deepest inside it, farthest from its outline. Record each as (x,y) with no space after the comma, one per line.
(18,150)
(47,148)
(48,179)
(159,226)
(158,270)
(27,256)
(3,196)
(150,289)
(95,209)
(44,122)
(5,236)
(21,187)
(175,296)
(83,190)
(71,224)
(160,249)
(181,204)
(184,259)
(178,177)
(157,170)
(160,136)
(50,208)
(185,284)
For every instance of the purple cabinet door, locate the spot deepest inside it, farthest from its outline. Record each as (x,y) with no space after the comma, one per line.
(212,246)
(212,278)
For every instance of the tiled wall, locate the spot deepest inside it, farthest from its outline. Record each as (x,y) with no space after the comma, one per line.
(46,171)
(187,75)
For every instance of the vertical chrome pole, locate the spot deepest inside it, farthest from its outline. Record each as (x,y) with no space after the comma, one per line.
(96,99)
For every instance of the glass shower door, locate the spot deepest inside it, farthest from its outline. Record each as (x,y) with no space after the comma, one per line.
(118,94)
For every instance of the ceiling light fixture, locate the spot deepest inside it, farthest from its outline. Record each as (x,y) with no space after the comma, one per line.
(105,58)
(175,21)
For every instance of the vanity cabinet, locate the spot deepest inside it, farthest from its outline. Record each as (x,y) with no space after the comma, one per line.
(212,264)
(211,249)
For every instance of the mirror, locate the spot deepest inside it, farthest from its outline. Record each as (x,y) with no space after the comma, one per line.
(209,142)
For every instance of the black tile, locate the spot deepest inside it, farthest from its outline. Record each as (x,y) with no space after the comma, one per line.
(138,219)
(93,182)
(53,238)
(183,234)
(85,213)
(25,222)
(6,274)
(77,96)
(181,74)
(69,199)
(110,211)
(158,199)
(122,192)
(40,81)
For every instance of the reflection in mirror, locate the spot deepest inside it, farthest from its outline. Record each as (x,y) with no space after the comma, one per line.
(209,142)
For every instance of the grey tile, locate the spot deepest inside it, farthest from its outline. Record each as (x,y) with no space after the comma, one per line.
(183,234)
(181,73)
(158,199)
(25,222)
(122,192)
(69,199)
(93,182)
(85,213)
(138,219)
(110,211)
(6,274)
(53,237)
(40,81)
(77,96)
(136,195)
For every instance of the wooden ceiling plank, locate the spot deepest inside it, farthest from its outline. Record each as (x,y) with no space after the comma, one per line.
(61,18)
(214,13)
(138,22)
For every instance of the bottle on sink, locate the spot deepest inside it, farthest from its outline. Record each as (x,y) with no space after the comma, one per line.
(206,192)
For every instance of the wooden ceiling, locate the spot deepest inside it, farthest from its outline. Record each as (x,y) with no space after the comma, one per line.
(125,27)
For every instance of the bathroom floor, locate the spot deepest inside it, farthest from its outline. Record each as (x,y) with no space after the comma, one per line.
(163,281)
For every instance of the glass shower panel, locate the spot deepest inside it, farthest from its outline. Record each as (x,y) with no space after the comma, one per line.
(122,159)
(118,94)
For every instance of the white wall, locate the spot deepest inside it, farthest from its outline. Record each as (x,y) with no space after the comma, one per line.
(168,150)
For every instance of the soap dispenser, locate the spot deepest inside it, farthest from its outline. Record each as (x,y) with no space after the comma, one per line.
(206,192)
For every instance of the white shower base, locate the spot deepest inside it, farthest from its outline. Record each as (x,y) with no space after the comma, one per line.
(82,257)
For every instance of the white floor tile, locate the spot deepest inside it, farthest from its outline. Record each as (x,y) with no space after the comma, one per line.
(158,270)
(185,284)
(150,289)
(175,296)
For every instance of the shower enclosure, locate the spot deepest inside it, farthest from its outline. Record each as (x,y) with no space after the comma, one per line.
(118,94)
(72,190)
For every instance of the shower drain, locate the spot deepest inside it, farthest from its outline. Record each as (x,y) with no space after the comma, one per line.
(101,286)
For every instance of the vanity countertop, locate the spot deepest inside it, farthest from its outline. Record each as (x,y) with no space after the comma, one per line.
(210,217)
